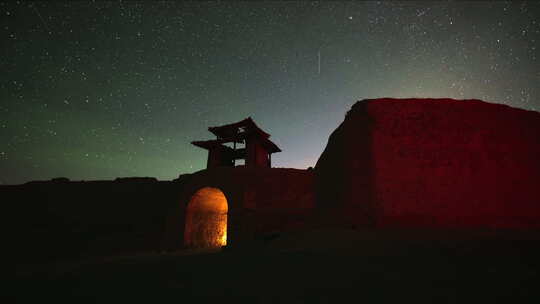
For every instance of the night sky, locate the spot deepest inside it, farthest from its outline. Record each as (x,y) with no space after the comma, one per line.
(99,90)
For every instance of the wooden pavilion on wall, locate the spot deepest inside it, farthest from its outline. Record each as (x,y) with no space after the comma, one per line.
(242,140)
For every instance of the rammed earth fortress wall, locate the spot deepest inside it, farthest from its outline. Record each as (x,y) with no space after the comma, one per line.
(433,163)
(392,163)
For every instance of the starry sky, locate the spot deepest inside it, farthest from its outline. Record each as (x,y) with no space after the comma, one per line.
(99,90)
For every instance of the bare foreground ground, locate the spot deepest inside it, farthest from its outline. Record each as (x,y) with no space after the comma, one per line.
(320,267)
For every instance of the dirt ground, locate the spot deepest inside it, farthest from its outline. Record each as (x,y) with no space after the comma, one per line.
(321,267)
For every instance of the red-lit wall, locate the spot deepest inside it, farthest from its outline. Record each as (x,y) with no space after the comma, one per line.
(257,155)
(434,163)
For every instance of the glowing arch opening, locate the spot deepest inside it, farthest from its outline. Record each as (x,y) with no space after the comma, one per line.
(206,219)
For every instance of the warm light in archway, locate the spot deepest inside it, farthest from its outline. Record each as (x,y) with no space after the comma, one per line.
(224,236)
(206,219)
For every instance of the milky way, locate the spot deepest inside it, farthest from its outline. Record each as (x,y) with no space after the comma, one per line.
(97,90)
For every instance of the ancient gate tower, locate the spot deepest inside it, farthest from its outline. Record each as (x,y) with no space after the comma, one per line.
(254,147)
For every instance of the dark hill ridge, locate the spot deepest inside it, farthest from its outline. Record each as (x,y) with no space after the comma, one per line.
(433,163)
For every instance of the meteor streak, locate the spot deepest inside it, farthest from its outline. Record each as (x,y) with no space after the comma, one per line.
(41,18)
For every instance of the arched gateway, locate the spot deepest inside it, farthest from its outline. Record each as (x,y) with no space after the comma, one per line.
(206,219)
